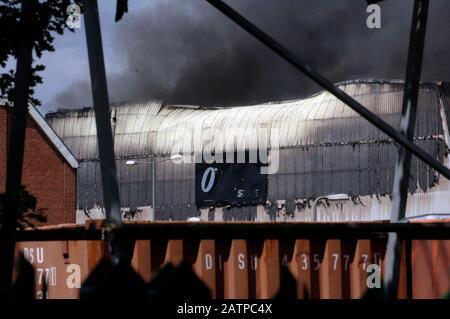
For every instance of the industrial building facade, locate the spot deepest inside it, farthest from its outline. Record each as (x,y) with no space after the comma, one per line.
(49,169)
(320,147)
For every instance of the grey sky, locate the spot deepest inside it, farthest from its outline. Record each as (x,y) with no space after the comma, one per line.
(69,62)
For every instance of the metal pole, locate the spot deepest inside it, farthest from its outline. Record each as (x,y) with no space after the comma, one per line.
(153,188)
(154,162)
(16,141)
(329,86)
(407,125)
(103,124)
(316,201)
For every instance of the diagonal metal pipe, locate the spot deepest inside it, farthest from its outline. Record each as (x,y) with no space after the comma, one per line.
(300,65)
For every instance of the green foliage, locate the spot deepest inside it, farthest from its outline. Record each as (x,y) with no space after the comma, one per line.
(27,215)
(48,20)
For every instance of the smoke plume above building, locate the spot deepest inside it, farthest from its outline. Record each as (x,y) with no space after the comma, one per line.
(186,52)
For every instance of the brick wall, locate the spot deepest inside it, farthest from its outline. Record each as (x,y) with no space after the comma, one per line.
(46,174)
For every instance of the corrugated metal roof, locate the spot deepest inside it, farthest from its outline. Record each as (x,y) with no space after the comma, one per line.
(151,128)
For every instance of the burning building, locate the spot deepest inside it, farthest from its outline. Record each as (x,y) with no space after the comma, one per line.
(313,148)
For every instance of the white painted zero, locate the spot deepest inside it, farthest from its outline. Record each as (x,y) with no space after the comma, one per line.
(209,171)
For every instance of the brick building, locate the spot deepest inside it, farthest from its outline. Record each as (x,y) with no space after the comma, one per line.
(49,168)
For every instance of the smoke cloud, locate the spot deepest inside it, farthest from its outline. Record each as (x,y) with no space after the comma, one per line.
(186,52)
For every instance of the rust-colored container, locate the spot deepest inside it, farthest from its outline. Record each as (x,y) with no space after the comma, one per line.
(251,268)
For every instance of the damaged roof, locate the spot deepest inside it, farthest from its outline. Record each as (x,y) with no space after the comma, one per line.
(325,146)
(152,128)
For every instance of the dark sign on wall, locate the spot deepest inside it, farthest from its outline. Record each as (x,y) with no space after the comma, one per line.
(235,184)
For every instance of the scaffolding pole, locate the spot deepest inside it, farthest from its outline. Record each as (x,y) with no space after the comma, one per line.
(103,124)
(407,125)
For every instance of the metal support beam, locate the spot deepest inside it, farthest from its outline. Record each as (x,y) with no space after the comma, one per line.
(247,230)
(22,82)
(329,86)
(407,125)
(103,124)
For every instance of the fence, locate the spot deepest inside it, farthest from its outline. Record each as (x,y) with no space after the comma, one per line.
(245,261)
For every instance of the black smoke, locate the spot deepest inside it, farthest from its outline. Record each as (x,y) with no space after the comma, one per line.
(186,52)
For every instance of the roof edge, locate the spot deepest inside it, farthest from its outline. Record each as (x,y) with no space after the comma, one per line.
(61,113)
(382,81)
(53,137)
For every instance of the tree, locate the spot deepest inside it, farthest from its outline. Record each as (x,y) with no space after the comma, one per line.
(26,31)
(26,214)
(49,19)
